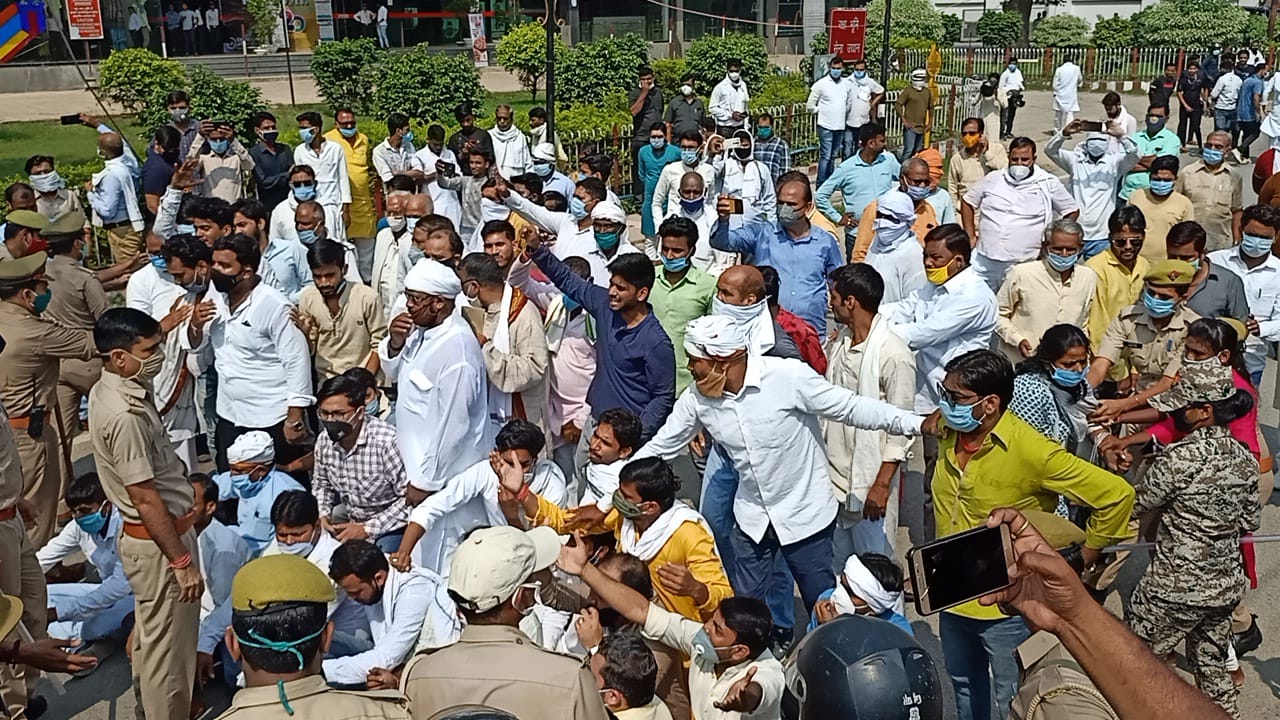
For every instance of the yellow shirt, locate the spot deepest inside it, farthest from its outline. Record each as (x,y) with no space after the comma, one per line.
(1118,288)
(363,218)
(1018,467)
(1161,215)
(343,341)
(690,545)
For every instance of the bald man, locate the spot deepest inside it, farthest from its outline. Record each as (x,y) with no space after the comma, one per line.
(20,196)
(1216,193)
(384,275)
(693,206)
(113,196)
(311,224)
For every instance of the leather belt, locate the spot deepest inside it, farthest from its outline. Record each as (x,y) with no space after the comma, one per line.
(22,423)
(139,531)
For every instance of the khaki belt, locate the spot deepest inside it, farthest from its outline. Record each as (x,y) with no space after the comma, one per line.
(139,531)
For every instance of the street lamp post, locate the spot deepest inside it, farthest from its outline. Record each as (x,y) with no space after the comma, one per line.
(550,22)
(884,44)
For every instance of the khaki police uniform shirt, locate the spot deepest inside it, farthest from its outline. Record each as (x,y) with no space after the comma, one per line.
(29,361)
(1053,686)
(62,202)
(501,667)
(131,447)
(310,698)
(78,298)
(1151,352)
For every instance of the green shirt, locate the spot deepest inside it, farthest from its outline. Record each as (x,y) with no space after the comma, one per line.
(675,305)
(1165,142)
(1018,467)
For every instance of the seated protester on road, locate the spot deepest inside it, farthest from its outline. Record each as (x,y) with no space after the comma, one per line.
(870,584)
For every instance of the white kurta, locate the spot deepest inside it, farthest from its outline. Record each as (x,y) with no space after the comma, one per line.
(1066,87)
(445,202)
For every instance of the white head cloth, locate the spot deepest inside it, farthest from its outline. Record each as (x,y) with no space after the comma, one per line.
(252,447)
(713,336)
(432,278)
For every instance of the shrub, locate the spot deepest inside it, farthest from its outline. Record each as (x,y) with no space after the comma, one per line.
(780,89)
(595,119)
(592,71)
(1060,31)
(1001,29)
(132,77)
(708,56)
(1113,32)
(346,72)
(912,21)
(523,52)
(212,98)
(264,17)
(1190,23)
(818,46)
(667,73)
(952,29)
(426,85)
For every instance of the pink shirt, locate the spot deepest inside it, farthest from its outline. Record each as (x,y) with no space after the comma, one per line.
(1244,429)
(572,368)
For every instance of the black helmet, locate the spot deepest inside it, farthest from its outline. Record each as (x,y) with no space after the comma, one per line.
(860,668)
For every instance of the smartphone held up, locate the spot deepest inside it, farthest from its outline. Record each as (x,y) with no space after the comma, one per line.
(953,570)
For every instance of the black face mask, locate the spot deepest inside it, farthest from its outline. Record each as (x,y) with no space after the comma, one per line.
(223,282)
(170,156)
(337,429)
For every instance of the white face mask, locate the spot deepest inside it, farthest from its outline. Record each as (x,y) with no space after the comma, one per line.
(917,84)
(1018,173)
(734,77)
(686,90)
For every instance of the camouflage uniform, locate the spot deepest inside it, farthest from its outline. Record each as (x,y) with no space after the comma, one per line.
(1206,486)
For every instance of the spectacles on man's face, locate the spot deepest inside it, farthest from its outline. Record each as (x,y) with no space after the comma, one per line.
(302,184)
(330,415)
(961,397)
(1135,242)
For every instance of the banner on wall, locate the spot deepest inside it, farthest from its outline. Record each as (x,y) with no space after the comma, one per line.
(84,20)
(324,20)
(479,44)
(300,20)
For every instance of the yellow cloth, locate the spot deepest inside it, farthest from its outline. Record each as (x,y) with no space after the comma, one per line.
(1161,214)
(363,218)
(1018,467)
(1118,288)
(690,545)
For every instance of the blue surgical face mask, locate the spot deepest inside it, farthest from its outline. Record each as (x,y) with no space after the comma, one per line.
(1161,188)
(245,486)
(543,169)
(307,134)
(1062,263)
(93,522)
(569,303)
(159,263)
(1211,156)
(308,237)
(410,222)
(1068,378)
(373,407)
(1157,307)
(917,193)
(347,132)
(1255,246)
(836,73)
(859,74)
(657,143)
(415,254)
(408,137)
(608,240)
(1095,148)
(577,207)
(675,264)
(219,146)
(304,193)
(958,417)
(689,157)
(694,206)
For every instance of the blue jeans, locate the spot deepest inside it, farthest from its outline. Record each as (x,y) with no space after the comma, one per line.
(1224,120)
(828,146)
(104,622)
(389,542)
(1094,247)
(912,142)
(719,485)
(809,561)
(851,141)
(972,648)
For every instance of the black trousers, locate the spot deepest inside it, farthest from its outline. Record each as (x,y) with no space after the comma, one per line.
(1189,126)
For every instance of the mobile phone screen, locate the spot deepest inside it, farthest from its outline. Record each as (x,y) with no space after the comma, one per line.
(960,568)
(1091,126)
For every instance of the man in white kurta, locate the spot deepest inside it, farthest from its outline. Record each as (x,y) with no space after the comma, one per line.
(1066,93)
(442,412)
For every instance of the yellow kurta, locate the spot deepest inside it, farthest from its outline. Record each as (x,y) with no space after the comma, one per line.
(363,218)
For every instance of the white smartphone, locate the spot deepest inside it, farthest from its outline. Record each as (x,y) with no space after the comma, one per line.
(953,570)
(732,143)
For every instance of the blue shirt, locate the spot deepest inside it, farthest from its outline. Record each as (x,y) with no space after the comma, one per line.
(558,182)
(889,615)
(803,263)
(636,369)
(290,272)
(107,198)
(156,173)
(1245,110)
(254,513)
(859,183)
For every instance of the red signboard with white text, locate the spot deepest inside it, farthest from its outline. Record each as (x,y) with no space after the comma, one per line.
(84,19)
(848,32)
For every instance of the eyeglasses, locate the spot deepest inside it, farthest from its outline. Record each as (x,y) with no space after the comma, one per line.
(951,396)
(348,416)
(1127,242)
(302,184)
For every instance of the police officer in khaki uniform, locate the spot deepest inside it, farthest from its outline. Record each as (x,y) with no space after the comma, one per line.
(495,664)
(23,234)
(34,346)
(147,483)
(1147,337)
(280,632)
(78,301)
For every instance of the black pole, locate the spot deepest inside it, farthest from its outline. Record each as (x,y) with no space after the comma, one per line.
(288,56)
(552,28)
(884,44)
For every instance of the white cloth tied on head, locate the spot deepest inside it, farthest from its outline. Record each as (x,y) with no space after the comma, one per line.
(895,213)
(865,586)
(605,210)
(430,277)
(252,447)
(713,336)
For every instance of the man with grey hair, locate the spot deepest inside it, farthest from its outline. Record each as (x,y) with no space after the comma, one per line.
(1215,191)
(1095,167)
(510,146)
(1038,294)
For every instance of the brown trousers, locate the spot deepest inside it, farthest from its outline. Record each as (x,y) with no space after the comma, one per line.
(20,575)
(43,478)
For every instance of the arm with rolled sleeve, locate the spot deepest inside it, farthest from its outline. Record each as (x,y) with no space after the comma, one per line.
(660,378)
(681,426)
(812,393)
(295,356)
(1110,496)
(823,196)
(590,296)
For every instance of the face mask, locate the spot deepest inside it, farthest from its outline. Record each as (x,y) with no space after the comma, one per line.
(178,114)
(223,282)
(1255,246)
(407,137)
(197,287)
(1211,156)
(734,77)
(689,157)
(788,216)
(657,143)
(1095,148)
(301,549)
(170,156)
(843,601)
(917,84)
(42,300)
(303,193)
(970,141)
(415,254)
(338,429)
(836,73)
(47,182)
(270,135)
(1195,264)
(1068,378)
(740,314)
(1161,188)
(219,146)
(704,651)
(159,263)
(1157,307)
(1154,126)
(411,222)
(543,169)
(675,264)
(308,237)
(764,133)
(93,522)
(334,291)
(347,132)
(1013,67)
(577,208)
(307,135)
(938,275)
(608,240)
(917,193)
(859,74)
(694,206)
(149,368)
(1062,263)
(712,384)
(397,225)
(625,507)
(958,417)
(686,90)
(245,486)
(1018,173)
(569,303)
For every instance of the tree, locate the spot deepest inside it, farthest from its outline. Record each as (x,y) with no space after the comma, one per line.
(1190,23)
(1060,31)
(1113,32)
(346,72)
(952,28)
(1001,29)
(427,85)
(709,55)
(912,21)
(132,77)
(590,72)
(523,51)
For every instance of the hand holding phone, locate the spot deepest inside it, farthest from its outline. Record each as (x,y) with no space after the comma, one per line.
(956,569)
(446,169)
(72,119)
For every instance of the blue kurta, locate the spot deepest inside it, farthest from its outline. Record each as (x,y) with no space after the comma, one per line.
(651,163)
